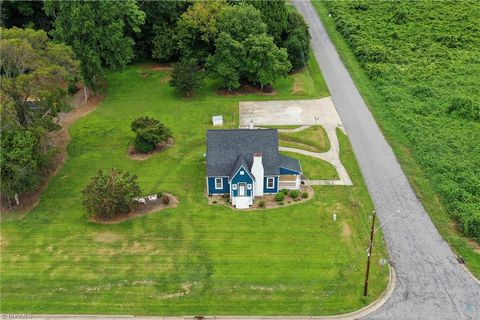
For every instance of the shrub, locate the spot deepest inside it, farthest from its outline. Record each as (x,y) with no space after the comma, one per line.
(72,88)
(284,191)
(294,194)
(142,146)
(305,195)
(150,132)
(165,199)
(279,196)
(159,194)
(110,194)
(261,204)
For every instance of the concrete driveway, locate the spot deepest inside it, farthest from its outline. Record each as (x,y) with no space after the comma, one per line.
(289,112)
(305,113)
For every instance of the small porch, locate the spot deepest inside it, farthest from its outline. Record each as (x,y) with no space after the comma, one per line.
(289,182)
(242,202)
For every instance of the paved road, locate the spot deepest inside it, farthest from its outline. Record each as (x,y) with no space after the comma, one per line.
(430,282)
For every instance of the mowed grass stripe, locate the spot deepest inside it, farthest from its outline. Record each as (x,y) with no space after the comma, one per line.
(194,259)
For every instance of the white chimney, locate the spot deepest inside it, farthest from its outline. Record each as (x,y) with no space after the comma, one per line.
(257,171)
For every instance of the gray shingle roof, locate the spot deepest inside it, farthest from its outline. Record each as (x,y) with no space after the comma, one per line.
(290,163)
(240,163)
(224,147)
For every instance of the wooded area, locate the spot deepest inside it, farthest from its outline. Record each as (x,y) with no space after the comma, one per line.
(50,46)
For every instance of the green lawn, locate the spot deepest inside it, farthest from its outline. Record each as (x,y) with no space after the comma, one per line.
(193,259)
(309,80)
(313,139)
(433,148)
(314,168)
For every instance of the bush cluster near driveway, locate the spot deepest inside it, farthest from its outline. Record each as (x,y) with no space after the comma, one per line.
(421,90)
(193,259)
(312,139)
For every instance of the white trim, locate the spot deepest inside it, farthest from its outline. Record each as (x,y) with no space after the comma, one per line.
(208,186)
(244,189)
(221,184)
(253,178)
(270,179)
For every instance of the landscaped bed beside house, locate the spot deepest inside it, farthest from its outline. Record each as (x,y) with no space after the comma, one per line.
(270,201)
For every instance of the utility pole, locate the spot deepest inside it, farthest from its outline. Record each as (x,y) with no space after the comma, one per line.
(365,290)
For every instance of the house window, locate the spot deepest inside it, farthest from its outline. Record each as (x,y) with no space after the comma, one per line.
(234,187)
(218,183)
(242,173)
(249,186)
(270,183)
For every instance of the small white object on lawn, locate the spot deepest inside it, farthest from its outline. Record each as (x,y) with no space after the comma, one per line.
(334,217)
(141,200)
(153,197)
(217,120)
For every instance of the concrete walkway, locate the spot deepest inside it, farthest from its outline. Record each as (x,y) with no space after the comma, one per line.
(295,129)
(431,284)
(332,156)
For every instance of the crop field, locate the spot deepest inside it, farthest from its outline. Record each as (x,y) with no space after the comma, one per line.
(417,64)
(195,258)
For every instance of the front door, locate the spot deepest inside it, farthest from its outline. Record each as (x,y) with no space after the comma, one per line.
(241,189)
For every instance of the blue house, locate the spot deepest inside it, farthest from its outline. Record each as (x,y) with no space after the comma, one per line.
(245,164)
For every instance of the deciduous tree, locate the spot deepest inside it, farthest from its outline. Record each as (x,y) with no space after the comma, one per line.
(240,21)
(274,14)
(96,31)
(156,38)
(227,62)
(197,29)
(265,62)
(164,42)
(33,69)
(243,37)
